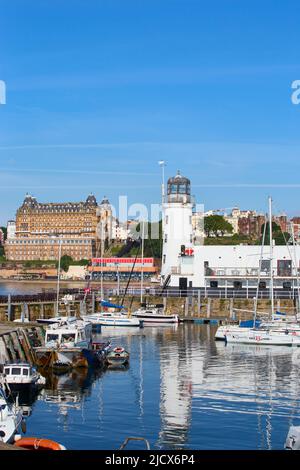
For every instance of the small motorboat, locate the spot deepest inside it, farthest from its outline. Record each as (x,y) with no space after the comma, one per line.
(21,376)
(10,419)
(154,314)
(118,356)
(36,443)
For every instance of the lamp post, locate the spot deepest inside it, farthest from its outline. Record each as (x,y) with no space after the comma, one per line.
(162,164)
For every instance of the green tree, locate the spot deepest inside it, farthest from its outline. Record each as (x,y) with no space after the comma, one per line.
(153,238)
(216,225)
(280,238)
(65,262)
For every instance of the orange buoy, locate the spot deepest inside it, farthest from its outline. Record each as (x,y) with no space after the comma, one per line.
(35,443)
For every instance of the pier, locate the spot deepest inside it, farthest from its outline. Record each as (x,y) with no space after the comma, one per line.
(16,343)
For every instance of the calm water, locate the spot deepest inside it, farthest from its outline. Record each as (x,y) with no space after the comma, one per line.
(182,390)
(16,288)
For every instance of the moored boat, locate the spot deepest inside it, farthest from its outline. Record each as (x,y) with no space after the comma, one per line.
(10,419)
(69,339)
(118,356)
(154,314)
(22,377)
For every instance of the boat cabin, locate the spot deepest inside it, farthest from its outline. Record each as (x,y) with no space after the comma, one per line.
(17,371)
(74,334)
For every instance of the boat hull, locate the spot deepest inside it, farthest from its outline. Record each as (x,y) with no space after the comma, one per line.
(46,357)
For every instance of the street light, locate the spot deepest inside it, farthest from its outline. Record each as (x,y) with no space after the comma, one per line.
(162,164)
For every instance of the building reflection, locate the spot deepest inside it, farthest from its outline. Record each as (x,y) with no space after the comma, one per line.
(199,375)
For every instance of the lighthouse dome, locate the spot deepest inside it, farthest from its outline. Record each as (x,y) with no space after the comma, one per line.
(179,189)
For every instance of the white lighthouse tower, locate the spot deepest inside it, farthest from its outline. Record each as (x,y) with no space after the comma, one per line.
(177,224)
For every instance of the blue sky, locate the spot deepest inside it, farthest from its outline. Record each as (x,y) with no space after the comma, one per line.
(99,91)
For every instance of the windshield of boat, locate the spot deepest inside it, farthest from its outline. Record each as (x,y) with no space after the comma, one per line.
(16,371)
(51,337)
(68,337)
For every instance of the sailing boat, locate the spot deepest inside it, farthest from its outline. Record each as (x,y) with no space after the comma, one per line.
(263,333)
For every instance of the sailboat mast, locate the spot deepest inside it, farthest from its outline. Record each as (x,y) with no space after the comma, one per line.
(142,272)
(101,256)
(297,273)
(58,276)
(271,259)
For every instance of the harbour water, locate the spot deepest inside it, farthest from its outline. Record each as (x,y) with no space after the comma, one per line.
(182,390)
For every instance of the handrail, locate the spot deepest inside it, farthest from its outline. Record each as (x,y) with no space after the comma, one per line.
(135,439)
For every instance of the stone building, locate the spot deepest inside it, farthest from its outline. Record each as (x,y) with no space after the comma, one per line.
(42,227)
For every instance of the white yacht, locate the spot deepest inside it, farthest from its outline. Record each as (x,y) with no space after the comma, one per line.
(259,336)
(113,319)
(154,314)
(10,419)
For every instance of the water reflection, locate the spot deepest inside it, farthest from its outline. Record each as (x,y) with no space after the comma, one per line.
(181,390)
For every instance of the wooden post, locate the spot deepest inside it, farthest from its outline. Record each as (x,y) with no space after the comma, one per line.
(208,307)
(193,306)
(93,302)
(42,312)
(9,308)
(186,309)
(231,314)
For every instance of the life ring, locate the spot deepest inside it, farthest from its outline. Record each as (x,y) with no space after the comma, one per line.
(35,443)
(119,350)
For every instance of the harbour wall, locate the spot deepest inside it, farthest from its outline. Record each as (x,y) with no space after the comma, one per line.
(185,307)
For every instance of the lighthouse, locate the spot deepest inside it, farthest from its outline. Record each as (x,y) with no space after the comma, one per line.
(177,224)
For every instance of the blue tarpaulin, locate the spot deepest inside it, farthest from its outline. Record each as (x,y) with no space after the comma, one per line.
(104,303)
(280,313)
(249,324)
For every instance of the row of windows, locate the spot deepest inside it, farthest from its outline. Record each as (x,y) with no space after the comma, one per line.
(48,242)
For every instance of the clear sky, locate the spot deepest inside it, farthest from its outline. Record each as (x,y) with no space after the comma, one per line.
(98,91)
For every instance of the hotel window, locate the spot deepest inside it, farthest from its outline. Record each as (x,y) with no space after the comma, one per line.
(166,237)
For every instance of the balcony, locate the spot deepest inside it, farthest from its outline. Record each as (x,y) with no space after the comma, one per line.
(248,272)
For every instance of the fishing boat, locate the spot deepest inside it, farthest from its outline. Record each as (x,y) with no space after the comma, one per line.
(69,339)
(22,377)
(117,357)
(10,419)
(154,314)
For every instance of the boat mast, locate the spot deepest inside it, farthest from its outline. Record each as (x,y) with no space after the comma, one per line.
(271,259)
(296,266)
(142,271)
(58,276)
(101,256)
